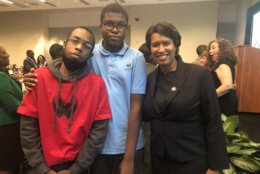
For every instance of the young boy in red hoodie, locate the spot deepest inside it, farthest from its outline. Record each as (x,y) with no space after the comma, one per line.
(65,117)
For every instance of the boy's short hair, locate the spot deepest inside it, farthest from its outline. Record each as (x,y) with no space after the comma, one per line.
(114,7)
(201,48)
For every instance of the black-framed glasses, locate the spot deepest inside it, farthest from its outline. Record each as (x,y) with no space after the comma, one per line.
(76,42)
(110,26)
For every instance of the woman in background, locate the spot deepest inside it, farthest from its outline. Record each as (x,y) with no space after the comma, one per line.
(182,107)
(224,58)
(11,154)
(41,61)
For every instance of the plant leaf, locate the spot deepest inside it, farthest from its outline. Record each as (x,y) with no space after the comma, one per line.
(226,125)
(223,118)
(231,123)
(248,144)
(244,151)
(246,163)
(258,159)
(233,148)
(231,170)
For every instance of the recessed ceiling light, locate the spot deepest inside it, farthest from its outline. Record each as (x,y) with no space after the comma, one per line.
(6,1)
(42,0)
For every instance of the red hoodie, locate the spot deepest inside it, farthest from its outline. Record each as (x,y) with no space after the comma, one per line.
(65,111)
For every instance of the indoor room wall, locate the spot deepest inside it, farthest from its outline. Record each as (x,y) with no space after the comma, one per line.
(196,26)
(197,23)
(21,31)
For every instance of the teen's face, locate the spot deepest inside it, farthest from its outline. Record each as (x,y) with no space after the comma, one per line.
(4,57)
(162,49)
(214,51)
(113,29)
(79,45)
(203,58)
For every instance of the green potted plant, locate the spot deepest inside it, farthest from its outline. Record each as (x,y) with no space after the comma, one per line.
(244,154)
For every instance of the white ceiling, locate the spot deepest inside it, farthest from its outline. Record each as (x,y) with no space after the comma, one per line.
(27,5)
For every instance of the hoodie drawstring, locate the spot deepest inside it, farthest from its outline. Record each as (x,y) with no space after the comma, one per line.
(73,105)
(57,104)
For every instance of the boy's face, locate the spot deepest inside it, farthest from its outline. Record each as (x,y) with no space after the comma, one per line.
(78,49)
(79,45)
(113,29)
(203,58)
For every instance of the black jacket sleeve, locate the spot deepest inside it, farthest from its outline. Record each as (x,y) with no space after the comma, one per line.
(216,146)
(93,143)
(31,143)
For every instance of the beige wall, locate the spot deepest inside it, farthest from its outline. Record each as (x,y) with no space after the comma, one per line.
(21,31)
(197,23)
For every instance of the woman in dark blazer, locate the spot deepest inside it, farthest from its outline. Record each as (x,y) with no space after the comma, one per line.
(182,106)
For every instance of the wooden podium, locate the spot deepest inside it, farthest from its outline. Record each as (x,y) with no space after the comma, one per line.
(248,79)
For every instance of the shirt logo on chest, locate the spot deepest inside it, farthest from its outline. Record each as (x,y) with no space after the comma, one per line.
(61,109)
(128,66)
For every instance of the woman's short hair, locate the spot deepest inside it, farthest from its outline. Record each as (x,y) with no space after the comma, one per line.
(166,29)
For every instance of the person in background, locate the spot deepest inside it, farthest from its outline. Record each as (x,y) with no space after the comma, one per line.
(41,61)
(56,51)
(11,154)
(29,62)
(150,62)
(20,69)
(65,117)
(223,55)
(182,106)
(150,66)
(202,52)
(10,69)
(15,69)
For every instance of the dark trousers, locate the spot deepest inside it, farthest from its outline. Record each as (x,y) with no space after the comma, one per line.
(167,166)
(109,164)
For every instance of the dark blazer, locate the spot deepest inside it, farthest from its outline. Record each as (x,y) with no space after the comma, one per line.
(28,63)
(188,126)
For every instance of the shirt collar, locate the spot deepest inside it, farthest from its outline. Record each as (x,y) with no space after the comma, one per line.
(121,52)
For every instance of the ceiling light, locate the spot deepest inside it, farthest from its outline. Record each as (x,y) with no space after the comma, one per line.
(6,1)
(42,0)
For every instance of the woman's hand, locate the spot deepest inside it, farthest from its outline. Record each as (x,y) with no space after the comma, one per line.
(209,171)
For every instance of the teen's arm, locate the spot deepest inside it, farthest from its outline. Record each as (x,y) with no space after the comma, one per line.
(31,143)
(134,122)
